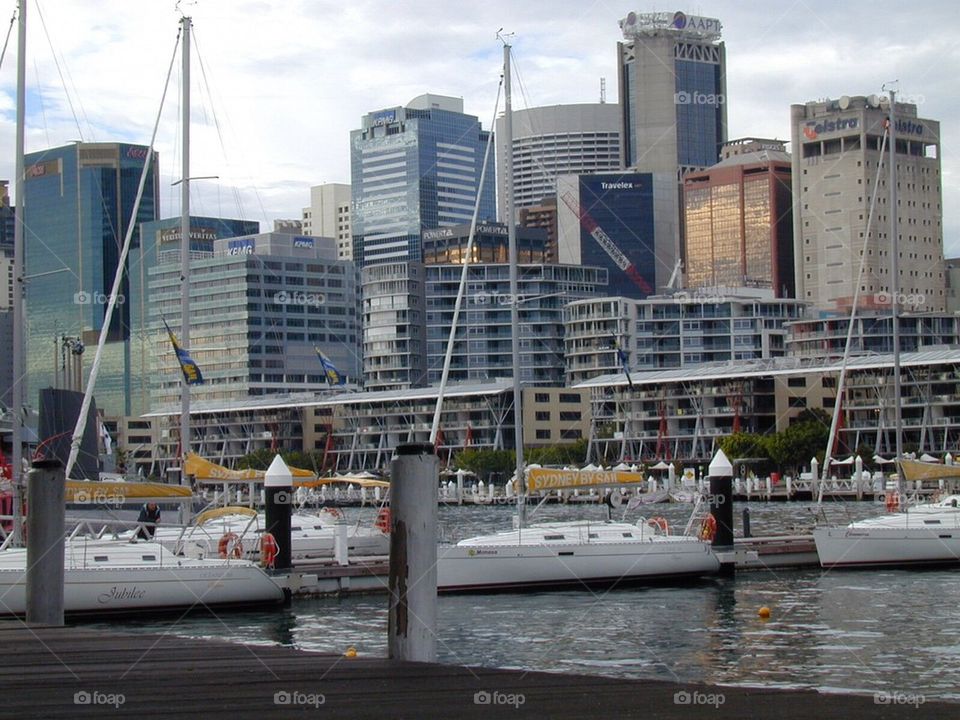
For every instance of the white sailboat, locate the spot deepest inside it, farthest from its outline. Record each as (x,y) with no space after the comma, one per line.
(313,536)
(103,575)
(561,554)
(925,534)
(109,576)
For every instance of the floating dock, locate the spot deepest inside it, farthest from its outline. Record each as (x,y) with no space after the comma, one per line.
(76,673)
(369,574)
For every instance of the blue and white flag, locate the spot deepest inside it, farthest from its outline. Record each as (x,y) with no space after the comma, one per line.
(190,370)
(334,376)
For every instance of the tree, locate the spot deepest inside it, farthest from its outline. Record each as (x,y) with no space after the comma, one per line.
(486,462)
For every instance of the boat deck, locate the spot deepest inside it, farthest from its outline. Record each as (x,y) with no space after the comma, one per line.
(77,673)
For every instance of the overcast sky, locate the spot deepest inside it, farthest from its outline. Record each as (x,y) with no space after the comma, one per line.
(279,84)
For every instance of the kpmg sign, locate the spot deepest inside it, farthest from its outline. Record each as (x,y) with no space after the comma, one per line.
(695,26)
(241,246)
(303,242)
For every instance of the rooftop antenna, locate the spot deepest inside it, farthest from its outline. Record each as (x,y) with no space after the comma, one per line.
(603,90)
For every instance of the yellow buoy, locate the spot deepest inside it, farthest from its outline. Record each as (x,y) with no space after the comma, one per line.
(351,652)
(764,612)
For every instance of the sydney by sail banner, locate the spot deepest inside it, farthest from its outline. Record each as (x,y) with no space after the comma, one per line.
(548,479)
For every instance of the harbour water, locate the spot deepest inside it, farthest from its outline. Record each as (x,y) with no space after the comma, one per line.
(889,631)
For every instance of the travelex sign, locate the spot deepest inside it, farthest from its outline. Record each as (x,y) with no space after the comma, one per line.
(813,129)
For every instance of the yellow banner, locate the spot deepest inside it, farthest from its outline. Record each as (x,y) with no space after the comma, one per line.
(548,479)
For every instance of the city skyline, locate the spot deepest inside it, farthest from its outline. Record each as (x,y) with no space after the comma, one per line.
(289,82)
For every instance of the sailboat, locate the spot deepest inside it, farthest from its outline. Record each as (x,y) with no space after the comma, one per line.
(563,554)
(927,534)
(107,575)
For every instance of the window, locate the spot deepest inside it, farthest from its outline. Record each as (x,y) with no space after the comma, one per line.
(542,397)
(543,434)
(569,397)
(543,416)
(570,416)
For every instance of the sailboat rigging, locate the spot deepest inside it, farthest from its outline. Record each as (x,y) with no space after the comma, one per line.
(562,554)
(923,534)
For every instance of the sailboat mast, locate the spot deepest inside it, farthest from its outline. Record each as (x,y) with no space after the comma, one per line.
(895,290)
(185,247)
(17,394)
(514,283)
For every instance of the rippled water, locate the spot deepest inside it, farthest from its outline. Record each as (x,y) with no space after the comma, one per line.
(897,631)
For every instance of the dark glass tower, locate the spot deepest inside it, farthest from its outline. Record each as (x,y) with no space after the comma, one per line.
(78,205)
(415,168)
(672,71)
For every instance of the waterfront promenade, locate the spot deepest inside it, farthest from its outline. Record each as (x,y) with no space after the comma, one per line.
(73,672)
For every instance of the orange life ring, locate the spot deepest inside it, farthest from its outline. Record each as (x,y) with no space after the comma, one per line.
(660,522)
(230,546)
(268,549)
(708,528)
(892,500)
(334,512)
(383,520)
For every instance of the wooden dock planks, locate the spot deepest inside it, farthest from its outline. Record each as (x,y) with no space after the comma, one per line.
(171,677)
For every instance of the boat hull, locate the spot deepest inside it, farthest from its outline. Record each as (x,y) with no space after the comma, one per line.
(845,547)
(171,584)
(473,568)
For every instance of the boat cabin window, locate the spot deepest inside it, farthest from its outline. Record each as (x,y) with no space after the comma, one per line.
(296,528)
(100,558)
(553,537)
(628,534)
(931,522)
(593,535)
(148,558)
(318,527)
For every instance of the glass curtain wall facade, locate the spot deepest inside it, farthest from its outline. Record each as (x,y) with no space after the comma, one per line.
(739,225)
(78,205)
(415,168)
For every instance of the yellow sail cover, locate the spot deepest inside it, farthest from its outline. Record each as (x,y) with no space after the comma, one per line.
(95,492)
(549,479)
(918,470)
(205,470)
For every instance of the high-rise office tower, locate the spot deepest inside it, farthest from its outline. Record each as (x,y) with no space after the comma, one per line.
(672,73)
(160,246)
(738,220)
(415,168)
(329,216)
(78,206)
(672,86)
(611,220)
(836,151)
(553,141)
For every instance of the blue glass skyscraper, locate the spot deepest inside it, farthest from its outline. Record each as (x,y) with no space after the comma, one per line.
(415,168)
(78,205)
(672,73)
